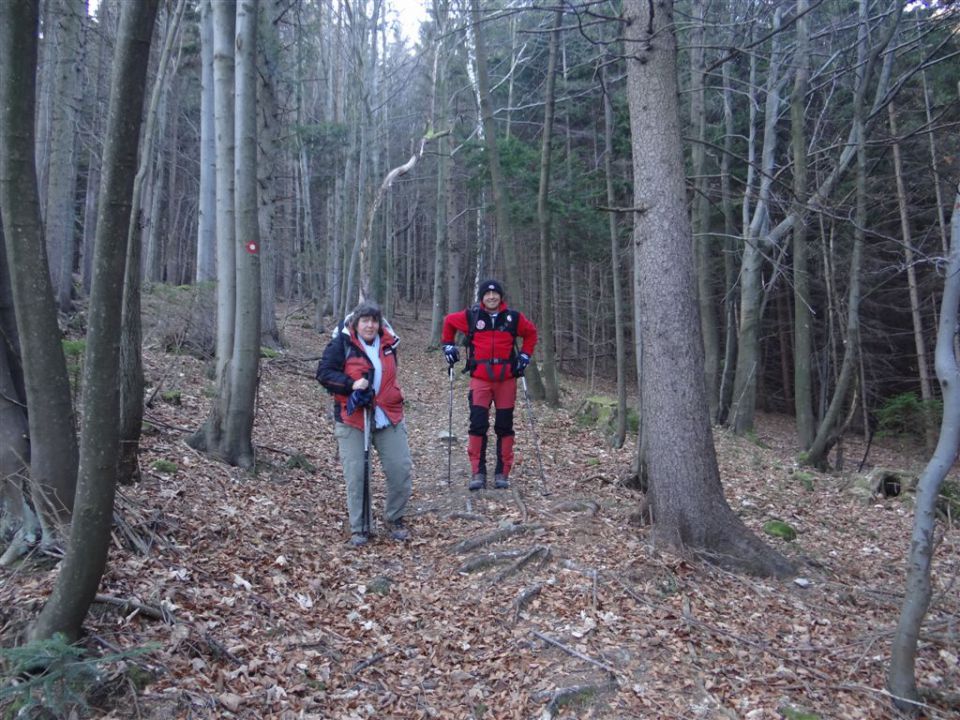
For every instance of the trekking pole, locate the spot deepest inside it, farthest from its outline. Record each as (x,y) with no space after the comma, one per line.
(450,426)
(536,439)
(366,470)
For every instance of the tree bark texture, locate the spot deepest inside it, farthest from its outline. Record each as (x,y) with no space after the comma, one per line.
(901,679)
(86,555)
(53,458)
(689,509)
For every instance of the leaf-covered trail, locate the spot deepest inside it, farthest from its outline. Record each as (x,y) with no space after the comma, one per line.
(559,608)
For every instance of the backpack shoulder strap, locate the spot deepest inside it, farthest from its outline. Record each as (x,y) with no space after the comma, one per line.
(473,312)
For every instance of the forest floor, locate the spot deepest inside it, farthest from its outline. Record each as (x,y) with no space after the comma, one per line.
(504,604)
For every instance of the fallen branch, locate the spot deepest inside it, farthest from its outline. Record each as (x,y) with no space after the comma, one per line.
(127,605)
(364,664)
(574,653)
(469,544)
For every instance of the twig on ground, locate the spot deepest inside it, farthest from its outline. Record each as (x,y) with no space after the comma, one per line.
(574,653)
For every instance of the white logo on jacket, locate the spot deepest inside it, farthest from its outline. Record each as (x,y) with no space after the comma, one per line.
(481,324)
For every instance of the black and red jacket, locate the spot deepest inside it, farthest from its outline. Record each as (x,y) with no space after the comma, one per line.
(345,361)
(491,353)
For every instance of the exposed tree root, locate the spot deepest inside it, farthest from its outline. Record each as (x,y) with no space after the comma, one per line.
(525,597)
(541,553)
(587,506)
(563,697)
(460,515)
(471,543)
(486,560)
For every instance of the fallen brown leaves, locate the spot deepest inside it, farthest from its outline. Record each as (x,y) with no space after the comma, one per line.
(274,615)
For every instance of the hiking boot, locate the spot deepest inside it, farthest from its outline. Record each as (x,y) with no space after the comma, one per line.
(398,530)
(359,539)
(500,481)
(478,482)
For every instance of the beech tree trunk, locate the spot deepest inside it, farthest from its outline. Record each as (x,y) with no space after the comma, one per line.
(86,556)
(53,444)
(207,207)
(901,679)
(687,502)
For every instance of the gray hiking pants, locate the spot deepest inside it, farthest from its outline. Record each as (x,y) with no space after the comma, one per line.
(394,453)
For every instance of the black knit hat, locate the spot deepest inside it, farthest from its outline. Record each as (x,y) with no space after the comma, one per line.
(367,308)
(488,285)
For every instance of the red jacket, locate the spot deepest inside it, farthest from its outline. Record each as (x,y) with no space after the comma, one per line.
(345,361)
(491,351)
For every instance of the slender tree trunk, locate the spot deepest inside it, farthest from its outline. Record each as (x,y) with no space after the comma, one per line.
(547,329)
(131,354)
(82,566)
(901,678)
(271,158)
(504,230)
(620,432)
(207,209)
(62,174)
(438,118)
(17,521)
(829,428)
(748,344)
(731,251)
(803,316)
(703,240)
(926,389)
(53,444)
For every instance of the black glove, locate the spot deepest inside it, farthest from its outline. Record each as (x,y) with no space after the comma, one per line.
(451,353)
(521,364)
(359,399)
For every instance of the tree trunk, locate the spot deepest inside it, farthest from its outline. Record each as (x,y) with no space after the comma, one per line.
(62,173)
(748,345)
(547,341)
(703,241)
(829,427)
(237,444)
(926,391)
(53,445)
(271,158)
(131,359)
(803,313)
(438,118)
(689,509)
(514,287)
(901,679)
(17,521)
(620,432)
(82,566)
(207,208)
(731,251)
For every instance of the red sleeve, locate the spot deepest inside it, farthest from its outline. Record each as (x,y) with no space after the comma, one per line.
(452,323)
(528,332)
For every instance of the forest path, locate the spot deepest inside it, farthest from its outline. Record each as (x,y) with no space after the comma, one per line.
(503,604)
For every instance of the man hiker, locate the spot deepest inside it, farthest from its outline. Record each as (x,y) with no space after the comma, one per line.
(491,329)
(359,368)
